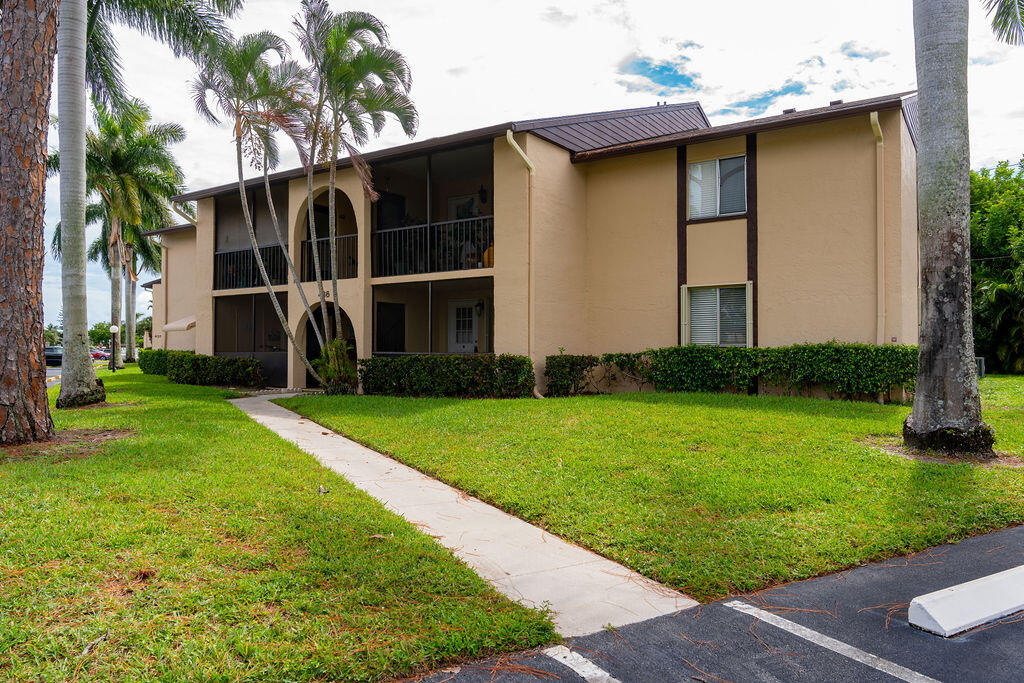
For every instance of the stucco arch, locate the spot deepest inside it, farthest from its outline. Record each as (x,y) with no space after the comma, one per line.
(306,339)
(347,223)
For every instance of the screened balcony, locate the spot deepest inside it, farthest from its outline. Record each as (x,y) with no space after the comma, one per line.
(346,239)
(435,213)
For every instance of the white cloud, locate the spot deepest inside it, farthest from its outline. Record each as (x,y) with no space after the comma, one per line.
(479,63)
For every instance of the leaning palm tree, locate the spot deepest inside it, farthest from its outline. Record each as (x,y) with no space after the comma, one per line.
(237,81)
(363,82)
(143,253)
(947,405)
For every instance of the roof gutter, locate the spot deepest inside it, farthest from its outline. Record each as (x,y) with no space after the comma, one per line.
(876,128)
(511,140)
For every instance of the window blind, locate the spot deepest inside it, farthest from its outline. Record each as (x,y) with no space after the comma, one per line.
(704,316)
(703,192)
(732,316)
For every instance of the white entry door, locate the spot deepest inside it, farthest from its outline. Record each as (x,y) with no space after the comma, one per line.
(463,330)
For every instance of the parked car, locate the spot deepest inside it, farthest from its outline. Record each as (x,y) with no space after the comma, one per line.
(54,355)
(100,354)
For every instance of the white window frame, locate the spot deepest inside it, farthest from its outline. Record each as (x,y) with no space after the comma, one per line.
(684,318)
(718,187)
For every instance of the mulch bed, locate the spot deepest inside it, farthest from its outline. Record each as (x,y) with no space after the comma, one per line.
(895,447)
(68,444)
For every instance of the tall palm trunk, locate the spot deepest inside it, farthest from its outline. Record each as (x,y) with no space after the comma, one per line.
(78,382)
(26,62)
(947,407)
(287,257)
(332,221)
(116,274)
(129,312)
(259,257)
(311,221)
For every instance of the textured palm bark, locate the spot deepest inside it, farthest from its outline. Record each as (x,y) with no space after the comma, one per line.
(78,383)
(129,316)
(947,407)
(116,275)
(28,34)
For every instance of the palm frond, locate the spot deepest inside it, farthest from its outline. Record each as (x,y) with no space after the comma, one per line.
(1007,20)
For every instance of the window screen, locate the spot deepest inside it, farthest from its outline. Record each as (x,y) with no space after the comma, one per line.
(718,316)
(732,183)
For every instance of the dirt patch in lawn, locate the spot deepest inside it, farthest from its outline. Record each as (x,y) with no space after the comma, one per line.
(69,444)
(897,448)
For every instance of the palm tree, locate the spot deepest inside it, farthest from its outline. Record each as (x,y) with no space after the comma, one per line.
(130,166)
(358,81)
(240,82)
(187,26)
(947,405)
(26,61)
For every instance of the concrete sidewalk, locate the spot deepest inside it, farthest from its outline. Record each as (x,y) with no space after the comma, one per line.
(585,591)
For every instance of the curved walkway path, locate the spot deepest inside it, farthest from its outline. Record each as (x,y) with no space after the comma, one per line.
(585,591)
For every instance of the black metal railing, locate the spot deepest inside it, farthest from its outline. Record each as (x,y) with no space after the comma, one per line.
(395,354)
(464,244)
(238,269)
(347,252)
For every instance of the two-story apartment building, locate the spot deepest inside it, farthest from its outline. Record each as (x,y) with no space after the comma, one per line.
(612,231)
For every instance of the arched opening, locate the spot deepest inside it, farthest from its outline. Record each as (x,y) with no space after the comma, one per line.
(313,347)
(345,236)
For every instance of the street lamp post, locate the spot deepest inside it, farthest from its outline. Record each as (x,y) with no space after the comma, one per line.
(113,347)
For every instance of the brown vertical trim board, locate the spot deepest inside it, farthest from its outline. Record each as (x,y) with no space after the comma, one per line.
(752,224)
(681,181)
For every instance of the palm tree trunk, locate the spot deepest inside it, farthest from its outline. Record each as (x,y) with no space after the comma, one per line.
(26,62)
(78,382)
(259,258)
(310,219)
(332,227)
(116,275)
(129,316)
(287,257)
(947,407)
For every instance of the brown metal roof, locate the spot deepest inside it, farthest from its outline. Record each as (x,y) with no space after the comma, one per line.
(173,228)
(149,285)
(759,125)
(577,133)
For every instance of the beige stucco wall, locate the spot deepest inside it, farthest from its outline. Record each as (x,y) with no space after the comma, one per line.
(716,253)
(179,266)
(159,293)
(631,252)
(511,250)
(817,236)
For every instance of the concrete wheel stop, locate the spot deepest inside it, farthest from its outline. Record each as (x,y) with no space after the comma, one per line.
(951,611)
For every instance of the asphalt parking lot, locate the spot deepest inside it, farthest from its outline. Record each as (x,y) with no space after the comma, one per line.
(850,626)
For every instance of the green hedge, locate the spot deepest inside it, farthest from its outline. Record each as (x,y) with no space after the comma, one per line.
(844,368)
(185,367)
(484,376)
(153,361)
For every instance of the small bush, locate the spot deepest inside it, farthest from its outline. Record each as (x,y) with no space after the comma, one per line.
(705,368)
(153,361)
(185,367)
(844,368)
(336,368)
(480,376)
(568,374)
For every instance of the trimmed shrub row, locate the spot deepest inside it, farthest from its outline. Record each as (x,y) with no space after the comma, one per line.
(844,368)
(153,361)
(504,376)
(185,367)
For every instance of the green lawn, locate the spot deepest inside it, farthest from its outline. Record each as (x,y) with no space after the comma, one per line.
(711,493)
(200,548)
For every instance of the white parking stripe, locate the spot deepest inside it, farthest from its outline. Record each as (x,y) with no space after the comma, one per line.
(874,661)
(587,670)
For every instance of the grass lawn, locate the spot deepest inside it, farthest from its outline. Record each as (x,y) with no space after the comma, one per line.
(710,493)
(199,547)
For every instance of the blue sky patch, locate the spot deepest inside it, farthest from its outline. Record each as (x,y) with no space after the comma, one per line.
(758,104)
(662,77)
(854,51)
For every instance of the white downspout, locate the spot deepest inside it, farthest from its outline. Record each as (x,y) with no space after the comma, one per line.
(529,246)
(177,210)
(879,228)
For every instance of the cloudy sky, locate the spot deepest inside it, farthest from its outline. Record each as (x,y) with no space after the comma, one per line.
(479,62)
